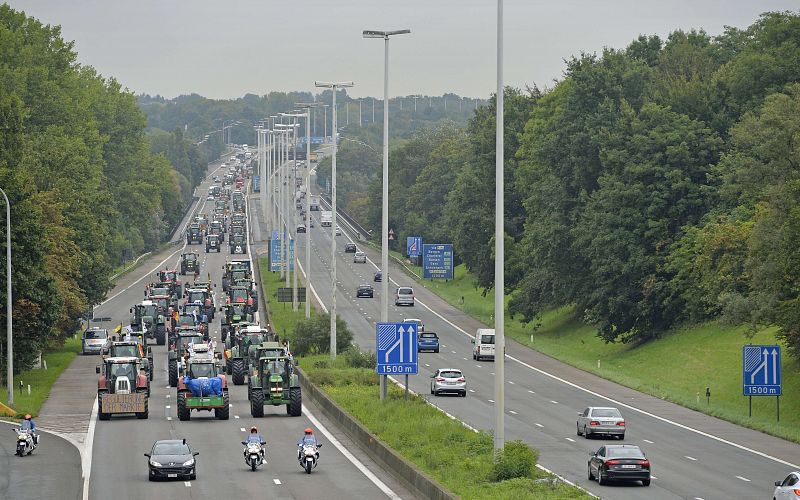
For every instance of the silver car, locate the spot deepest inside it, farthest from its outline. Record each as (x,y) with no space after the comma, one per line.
(601,421)
(789,488)
(404,296)
(94,340)
(448,380)
(360,257)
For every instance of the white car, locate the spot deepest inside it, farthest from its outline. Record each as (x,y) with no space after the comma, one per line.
(789,488)
(360,257)
(418,322)
(338,231)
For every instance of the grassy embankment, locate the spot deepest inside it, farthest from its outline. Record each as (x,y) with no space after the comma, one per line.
(675,367)
(41,380)
(282,318)
(458,458)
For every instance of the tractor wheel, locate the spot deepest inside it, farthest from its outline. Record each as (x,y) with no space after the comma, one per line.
(229,366)
(183,412)
(100,414)
(295,408)
(161,335)
(223,413)
(173,373)
(257,403)
(143,415)
(238,371)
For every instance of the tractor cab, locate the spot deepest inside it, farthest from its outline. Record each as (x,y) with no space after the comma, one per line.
(189,263)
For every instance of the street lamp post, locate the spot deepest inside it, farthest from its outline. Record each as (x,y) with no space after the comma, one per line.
(499,249)
(373,110)
(9,322)
(309,107)
(333,86)
(325,106)
(385,192)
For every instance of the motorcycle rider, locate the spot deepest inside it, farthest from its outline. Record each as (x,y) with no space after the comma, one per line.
(29,425)
(307,440)
(255,437)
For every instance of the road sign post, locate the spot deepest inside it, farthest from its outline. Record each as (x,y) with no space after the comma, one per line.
(761,374)
(396,349)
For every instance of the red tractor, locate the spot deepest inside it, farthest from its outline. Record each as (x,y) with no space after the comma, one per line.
(122,387)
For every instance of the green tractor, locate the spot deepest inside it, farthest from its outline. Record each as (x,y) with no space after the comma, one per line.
(177,352)
(273,382)
(238,345)
(203,388)
(190,263)
(148,316)
(233,315)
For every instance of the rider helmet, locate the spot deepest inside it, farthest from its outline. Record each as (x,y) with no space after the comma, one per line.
(28,417)
(253,430)
(309,431)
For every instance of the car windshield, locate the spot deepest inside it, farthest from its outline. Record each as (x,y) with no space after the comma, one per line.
(190,256)
(159,291)
(202,370)
(275,367)
(171,449)
(95,334)
(126,351)
(429,336)
(405,291)
(606,412)
(161,302)
(122,370)
(149,310)
(240,295)
(450,374)
(624,452)
(487,339)
(196,296)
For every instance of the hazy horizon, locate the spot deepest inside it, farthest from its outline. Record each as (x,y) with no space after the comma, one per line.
(178,48)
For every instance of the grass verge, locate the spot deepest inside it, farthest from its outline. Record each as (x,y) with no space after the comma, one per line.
(455,456)
(281,316)
(677,367)
(41,380)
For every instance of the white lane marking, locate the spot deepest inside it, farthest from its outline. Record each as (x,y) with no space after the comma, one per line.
(355,461)
(236,416)
(471,390)
(492,373)
(86,455)
(538,425)
(167,396)
(511,382)
(187,484)
(690,458)
(169,418)
(465,359)
(531,391)
(478,366)
(277,481)
(512,412)
(601,396)
(453,352)
(168,407)
(241,429)
(491,401)
(554,402)
(570,440)
(653,477)
(426,364)
(647,441)
(743,479)
(695,498)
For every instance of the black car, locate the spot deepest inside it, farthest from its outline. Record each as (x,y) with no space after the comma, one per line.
(622,462)
(365,291)
(171,458)
(378,277)
(349,248)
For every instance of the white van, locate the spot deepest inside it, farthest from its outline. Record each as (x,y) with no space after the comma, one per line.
(484,344)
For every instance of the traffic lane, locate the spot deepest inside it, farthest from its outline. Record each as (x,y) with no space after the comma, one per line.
(680,466)
(53,470)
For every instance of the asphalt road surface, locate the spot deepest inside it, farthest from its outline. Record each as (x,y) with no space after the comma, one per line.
(541,406)
(119,470)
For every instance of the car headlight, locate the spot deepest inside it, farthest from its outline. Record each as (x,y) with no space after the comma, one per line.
(188,462)
(154,463)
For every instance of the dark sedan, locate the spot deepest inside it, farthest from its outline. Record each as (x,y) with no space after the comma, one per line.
(378,277)
(171,458)
(365,291)
(619,462)
(350,248)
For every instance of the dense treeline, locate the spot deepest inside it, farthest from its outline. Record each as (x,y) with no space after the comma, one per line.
(652,185)
(85,189)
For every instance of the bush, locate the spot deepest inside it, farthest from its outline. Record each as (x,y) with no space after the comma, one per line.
(357,359)
(313,335)
(516,459)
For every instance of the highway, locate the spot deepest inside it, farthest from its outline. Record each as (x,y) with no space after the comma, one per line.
(119,469)
(543,397)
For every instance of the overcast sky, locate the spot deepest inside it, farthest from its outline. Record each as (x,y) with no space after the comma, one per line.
(226,48)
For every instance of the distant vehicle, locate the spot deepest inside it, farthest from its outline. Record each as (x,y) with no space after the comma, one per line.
(418,322)
(788,488)
(428,341)
(171,458)
(338,231)
(350,248)
(94,340)
(448,380)
(314,204)
(596,421)
(623,462)
(378,277)
(313,156)
(301,228)
(404,296)
(365,291)
(484,344)
(359,257)
(326,218)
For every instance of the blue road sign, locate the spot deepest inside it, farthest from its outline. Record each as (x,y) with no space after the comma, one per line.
(761,370)
(276,261)
(396,348)
(437,261)
(414,246)
(256,183)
